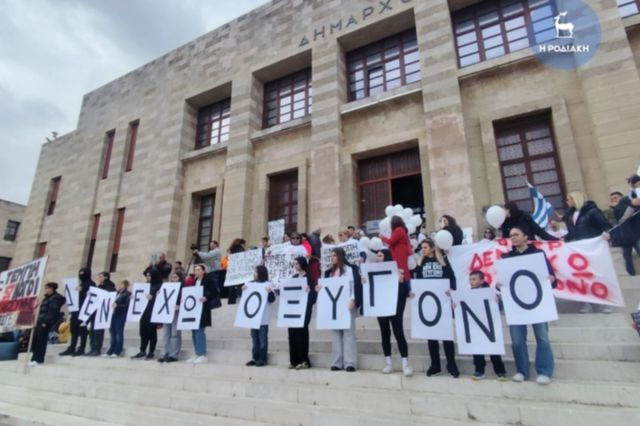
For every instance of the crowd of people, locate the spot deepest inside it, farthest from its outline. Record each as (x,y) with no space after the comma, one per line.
(583,219)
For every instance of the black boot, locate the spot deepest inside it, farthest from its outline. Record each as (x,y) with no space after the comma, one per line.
(69,351)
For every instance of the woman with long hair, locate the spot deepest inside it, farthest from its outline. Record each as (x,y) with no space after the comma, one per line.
(260,336)
(209,291)
(173,336)
(448,223)
(299,337)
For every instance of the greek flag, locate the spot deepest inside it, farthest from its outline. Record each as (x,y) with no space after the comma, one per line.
(541,207)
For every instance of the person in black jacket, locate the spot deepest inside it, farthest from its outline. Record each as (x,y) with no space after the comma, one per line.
(78,328)
(433,265)
(96,337)
(161,265)
(627,233)
(299,337)
(209,292)
(47,319)
(584,219)
(120,307)
(518,218)
(148,330)
(448,223)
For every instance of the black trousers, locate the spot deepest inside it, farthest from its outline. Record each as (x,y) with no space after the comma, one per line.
(39,344)
(148,331)
(449,352)
(299,341)
(480,363)
(77,331)
(395,323)
(96,339)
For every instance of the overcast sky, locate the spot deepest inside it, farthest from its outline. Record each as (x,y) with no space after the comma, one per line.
(52,52)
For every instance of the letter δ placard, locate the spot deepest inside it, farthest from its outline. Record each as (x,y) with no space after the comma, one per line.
(138,302)
(478,324)
(71,294)
(164,307)
(190,308)
(293,303)
(252,305)
(104,313)
(91,303)
(379,289)
(332,307)
(431,313)
(526,290)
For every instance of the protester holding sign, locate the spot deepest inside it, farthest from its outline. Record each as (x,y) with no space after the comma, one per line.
(234,291)
(433,265)
(260,336)
(344,349)
(120,308)
(198,336)
(78,328)
(96,337)
(395,322)
(299,337)
(544,356)
(148,330)
(47,319)
(448,223)
(173,336)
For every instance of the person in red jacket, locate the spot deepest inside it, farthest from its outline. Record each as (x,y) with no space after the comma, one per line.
(400,246)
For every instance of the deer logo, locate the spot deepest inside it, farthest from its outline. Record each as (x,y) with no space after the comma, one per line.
(567,26)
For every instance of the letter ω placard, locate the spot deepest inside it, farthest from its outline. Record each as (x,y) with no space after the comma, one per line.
(190,308)
(164,307)
(333,304)
(293,303)
(478,324)
(431,313)
(138,302)
(71,294)
(526,290)
(252,306)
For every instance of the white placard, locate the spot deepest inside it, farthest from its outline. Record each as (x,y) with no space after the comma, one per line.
(478,324)
(280,260)
(71,294)
(138,302)
(104,314)
(19,290)
(526,290)
(241,266)
(431,313)
(164,307)
(90,304)
(332,307)
(351,249)
(467,235)
(379,289)
(293,303)
(252,305)
(276,231)
(190,308)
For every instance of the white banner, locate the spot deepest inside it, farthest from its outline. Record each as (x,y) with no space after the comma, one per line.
(379,289)
(351,249)
(138,302)
(252,305)
(478,324)
(164,307)
(19,290)
(241,266)
(276,231)
(526,290)
(584,269)
(71,294)
(90,304)
(104,314)
(293,303)
(431,313)
(332,307)
(190,308)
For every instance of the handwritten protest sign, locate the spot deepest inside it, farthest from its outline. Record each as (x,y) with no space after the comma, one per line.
(276,231)
(19,289)
(241,266)
(351,248)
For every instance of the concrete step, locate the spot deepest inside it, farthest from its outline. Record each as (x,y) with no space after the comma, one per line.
(16,415)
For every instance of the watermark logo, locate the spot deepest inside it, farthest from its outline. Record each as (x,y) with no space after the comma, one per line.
(567,39)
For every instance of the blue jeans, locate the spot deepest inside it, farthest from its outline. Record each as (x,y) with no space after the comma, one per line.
(544,355)
(259,338)
(199,341)
(117,333)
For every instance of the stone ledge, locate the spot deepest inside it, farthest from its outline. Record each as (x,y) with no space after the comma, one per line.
(204,152)
(523,55)
(371,101)
(631,22)
(281,128)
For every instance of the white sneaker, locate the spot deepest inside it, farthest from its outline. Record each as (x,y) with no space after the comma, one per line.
(113,356)
(388,369)
(32,363)
(543,380)
(200,360)
(407,371)
(104,356)
(586,308)
(607,310)
(193,358)
(518,377)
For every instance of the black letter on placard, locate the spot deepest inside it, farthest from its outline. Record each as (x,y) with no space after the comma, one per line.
(67,295)
(489,332)
(366,12)
(436,318)
(385,5)
(512,286)
(189,299)
(292,302)
(89,302)
(136,299)
(371,286)
(303,41)
(246,303)
(166,300)
(105,308)
(334,300)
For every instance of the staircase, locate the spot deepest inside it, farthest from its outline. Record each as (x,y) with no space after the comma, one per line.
(597,382)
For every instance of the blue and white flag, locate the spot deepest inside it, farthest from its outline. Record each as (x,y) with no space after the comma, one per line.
(541,207)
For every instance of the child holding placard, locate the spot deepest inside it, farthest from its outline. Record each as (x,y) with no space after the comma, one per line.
(259,337)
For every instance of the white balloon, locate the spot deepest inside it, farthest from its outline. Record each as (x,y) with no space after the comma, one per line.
(495,216)
(411,228)
(375,244)
(388,211)
(385,225)
(444,239)
(414,243)
(364,241)
(407,213)
(416,220)
(397,210)
(412,263)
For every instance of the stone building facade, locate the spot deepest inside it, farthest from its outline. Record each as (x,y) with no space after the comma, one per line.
(11,216)
(298,109)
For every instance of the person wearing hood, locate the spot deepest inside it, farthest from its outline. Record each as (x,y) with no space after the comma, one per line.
(78,328)
(148,331)
(96,337)
(172,336)
(48,314)
(516,218)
